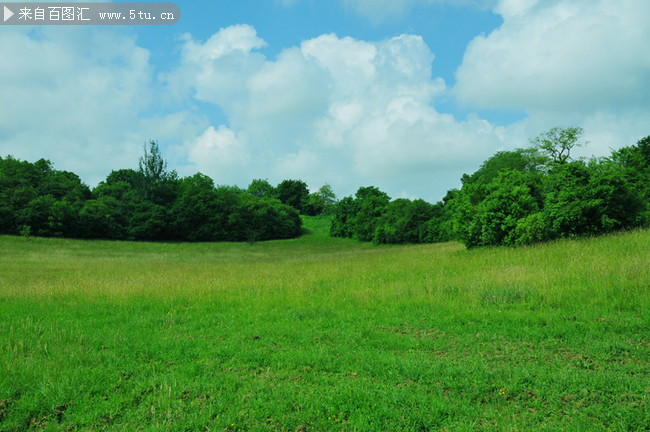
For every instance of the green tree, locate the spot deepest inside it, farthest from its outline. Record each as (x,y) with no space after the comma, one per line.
(403,221)
(261,188)
(195,215)
(264,219)
(321,202)
(440,228)
(558,142)
(152,165)
(582,199)
(63,220)
(370,205)
(523,160)
(134,179)
(36,215)
(344,212)
(157,183)
(488,214)
(512,197)
(293,193)
(634,161)
(38,196)
(505,189)
(102,218)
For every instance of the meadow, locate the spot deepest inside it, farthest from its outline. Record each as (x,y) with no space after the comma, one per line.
(317,333)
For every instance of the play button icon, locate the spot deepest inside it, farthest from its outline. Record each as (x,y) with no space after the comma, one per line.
(7,14)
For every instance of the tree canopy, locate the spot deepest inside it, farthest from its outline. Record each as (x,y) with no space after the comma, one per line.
(150,203)
(516,197)
(558,142)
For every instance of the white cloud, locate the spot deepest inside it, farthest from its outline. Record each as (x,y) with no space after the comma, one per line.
(337,110)
(349,62)
(513,8)
(567,55)
(78,97)
(333,109)
(605,129)
(221,153)
(217,71)
(565,62)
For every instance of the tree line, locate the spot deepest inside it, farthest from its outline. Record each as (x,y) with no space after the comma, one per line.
(150,203)
(516,197)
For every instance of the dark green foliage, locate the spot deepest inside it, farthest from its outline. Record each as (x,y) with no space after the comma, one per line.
(63,220)
(149,221)
(194,214)
(523,160)
(516,197)
(37,196)
(403,221)
(634,162)
(101,218)
(583,199)
(487,214)
(371,216)
(370,205)
(148,204)
(567,204)
(36,215)
(262,189)
(129,176)
(344,211)
(293,193)
(440,227)
(264,219)
(521,198)
(321,202)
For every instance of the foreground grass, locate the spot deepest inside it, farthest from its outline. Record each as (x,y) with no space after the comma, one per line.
(324,334)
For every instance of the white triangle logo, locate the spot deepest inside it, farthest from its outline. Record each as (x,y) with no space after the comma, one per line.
(8,14)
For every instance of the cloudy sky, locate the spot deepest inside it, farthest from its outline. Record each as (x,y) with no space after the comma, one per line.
(406,95)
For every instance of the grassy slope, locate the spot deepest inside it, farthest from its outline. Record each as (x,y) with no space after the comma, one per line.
(319,333)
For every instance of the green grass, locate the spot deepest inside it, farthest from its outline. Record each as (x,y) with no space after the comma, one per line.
(318,334)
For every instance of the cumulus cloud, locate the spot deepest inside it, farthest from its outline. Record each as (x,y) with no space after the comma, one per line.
(220,151)
(337,110)
(560,55)
(331,109)
(219,68)
(76,96)
(580,62)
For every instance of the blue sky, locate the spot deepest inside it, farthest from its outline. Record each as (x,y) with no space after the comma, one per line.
(406,95)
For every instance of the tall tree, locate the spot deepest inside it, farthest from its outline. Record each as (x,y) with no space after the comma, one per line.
(558,142)
(152,165)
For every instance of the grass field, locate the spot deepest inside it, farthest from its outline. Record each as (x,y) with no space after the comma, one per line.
(318,334)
